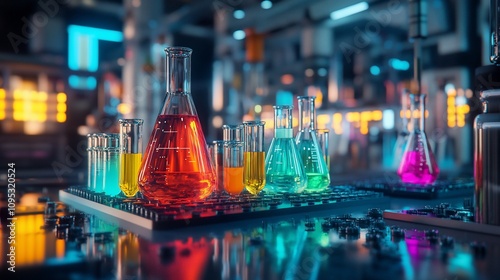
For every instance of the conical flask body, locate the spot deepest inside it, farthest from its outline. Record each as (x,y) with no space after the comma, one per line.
(418,165)
(318,175)
(176,163)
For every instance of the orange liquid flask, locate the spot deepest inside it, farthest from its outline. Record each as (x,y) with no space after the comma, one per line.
(176,163)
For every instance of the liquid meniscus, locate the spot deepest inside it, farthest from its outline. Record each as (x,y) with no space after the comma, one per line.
(129,172)
(175,164)
(254,174)
(233,180)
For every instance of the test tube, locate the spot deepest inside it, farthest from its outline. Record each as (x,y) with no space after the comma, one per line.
(99,163)
(323,141)
(254,174)
(217,151)
(91,145)
(130,155)
(233,167)
(111,164)
(232,132)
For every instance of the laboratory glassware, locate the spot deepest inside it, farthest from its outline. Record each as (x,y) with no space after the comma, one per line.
(216,150)
(418,165)
(233,167)
(130,155)
(323,136)
(318,175)
(176,163)
(402,138)
(111,157)
(91,159)
(99,163)
(254,174)
(285,171)
(232,132)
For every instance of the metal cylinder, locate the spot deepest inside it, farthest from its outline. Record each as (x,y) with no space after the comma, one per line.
(487,159)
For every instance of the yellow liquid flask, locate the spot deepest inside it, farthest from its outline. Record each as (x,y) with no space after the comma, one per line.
(285,171)
(318,175)
(176,162)
(254,173)
(130,155)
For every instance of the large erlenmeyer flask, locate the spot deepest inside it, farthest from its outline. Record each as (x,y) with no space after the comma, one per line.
(318,175)
(176,163)
(418,165)
(285,171)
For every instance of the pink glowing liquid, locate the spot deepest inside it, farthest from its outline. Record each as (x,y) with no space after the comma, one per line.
(415,170)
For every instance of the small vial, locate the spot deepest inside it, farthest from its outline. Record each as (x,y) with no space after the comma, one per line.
(233,167)
(216,150)
(130,155)
(111,157)
(91,159)
(254,174)
(98,186)
(324,144)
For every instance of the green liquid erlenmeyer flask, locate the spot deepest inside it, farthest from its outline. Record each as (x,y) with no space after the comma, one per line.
(176,163)
(318,175)
(285,171)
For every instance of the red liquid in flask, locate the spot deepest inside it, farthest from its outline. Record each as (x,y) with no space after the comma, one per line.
(176,164)
(415,170)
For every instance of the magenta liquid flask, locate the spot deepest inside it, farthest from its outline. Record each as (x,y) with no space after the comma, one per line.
(418,165)
(176,163)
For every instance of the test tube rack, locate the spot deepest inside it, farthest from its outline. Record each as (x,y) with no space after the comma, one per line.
(151,215)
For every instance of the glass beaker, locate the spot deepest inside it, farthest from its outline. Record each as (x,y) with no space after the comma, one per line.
(402,138)
(233,167)
(130,155)
(254,174)
(318,175)
(111,159)
(285,171)
(232,132)
(216,150)
(99,163)
(176,163)
(323,136)
(418,165)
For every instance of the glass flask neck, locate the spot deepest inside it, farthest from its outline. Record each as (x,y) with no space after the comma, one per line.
(306,113)
(418,105)
(283,125)
(178,70)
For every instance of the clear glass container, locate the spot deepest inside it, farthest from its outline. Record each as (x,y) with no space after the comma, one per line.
(254,174)
(176,163)
(418,165)
(91,159)
(285,172)
(318,175)
(324,144)
(216,150)
(130,155)
(99,163)
(233,167)
(111,157)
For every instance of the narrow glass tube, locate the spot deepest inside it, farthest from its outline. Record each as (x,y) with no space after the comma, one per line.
(232,132)
(91,145)
(254,173)
(217,152)
(130,155)
(111,164)
(233,167)
(324,144)
(99,163)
